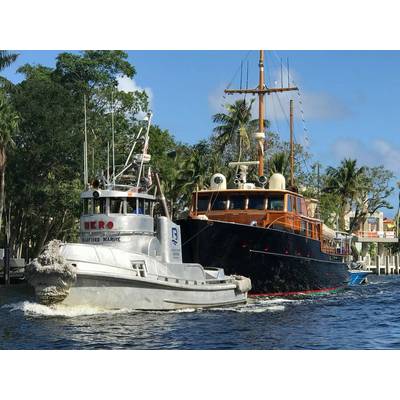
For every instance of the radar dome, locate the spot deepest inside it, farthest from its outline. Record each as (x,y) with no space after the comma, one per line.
(218,182)
(277,182)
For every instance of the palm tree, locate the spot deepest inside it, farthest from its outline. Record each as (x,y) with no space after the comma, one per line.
(279,163)
(6,58)
(8,126)
(348,182)
(235,126)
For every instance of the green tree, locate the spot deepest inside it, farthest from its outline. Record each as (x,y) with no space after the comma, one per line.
(9,120)
(373,195)
(6,58)
(279,163)
(235,127)
(46,165)
(347,182)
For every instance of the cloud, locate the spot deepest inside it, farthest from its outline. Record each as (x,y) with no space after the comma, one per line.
(377,152)
(309,105)
(127,85)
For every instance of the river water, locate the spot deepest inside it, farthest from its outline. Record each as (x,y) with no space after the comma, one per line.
(364,317)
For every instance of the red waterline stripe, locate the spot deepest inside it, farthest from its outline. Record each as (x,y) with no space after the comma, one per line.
(295,293)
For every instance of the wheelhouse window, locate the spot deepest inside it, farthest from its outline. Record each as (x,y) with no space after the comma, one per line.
(117,205)
(147,206)
(256,203)
(131,205)
(140,209)
(139,206)
(236,202)
(99,206)
(289,203)
(275,203)
(202,203)
(219,202)
(299,206)
(87,206)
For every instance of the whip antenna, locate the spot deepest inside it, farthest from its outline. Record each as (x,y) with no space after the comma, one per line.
(85,149)
(112,133)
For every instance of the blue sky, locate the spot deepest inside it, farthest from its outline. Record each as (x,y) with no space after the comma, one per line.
(349,98)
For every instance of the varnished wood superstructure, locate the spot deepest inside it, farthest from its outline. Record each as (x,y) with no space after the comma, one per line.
(269,209)
(272,235)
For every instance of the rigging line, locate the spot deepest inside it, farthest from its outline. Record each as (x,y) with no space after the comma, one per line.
(305,130)
(284,67)
(198,233)
(247,78)
(241,74)
(213,201)
(237,71)
(294,137)
(276,119)
(234,76)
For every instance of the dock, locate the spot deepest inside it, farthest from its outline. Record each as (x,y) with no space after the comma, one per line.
(382,264)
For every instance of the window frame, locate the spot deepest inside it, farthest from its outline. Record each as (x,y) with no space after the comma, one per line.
(102,202)
(219,197)
(244,202)
(256,196)
(204,197)
(275,196)
(123,200)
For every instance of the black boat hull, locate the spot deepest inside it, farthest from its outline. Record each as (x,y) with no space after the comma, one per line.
(277,262)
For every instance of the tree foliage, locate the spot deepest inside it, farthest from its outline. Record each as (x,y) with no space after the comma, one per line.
(361,189)
(46,164)
(9,121)
(45,167)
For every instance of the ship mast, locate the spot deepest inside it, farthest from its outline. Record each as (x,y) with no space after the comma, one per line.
(291,147)
(261,90)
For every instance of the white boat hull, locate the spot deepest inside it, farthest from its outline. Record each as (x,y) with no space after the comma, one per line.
(142,294)
(80,276)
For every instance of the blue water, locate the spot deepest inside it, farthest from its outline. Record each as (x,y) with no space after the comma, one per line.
(365,317)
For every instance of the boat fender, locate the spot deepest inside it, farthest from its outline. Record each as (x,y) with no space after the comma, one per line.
(50,274)
(243,284)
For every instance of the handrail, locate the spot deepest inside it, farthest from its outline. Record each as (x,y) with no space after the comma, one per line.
(293,217)
(376,234)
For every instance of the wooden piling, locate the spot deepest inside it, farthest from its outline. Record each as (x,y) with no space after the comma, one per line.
(378,268)
(6,267)
(387,267)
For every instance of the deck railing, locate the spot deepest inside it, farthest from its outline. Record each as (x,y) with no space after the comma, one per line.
(376,234)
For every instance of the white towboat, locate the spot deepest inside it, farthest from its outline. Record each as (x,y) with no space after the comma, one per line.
(129,257)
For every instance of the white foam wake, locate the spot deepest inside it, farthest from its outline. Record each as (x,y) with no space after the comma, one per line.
(59,310)
(252,308)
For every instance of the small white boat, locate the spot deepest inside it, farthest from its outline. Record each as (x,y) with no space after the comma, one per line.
(128,256)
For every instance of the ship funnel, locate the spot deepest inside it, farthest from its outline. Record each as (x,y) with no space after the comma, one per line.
(218,182)
(277,182)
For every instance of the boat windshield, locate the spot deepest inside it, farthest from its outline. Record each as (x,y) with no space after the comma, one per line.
(99,206)
(116,205)
(87,206)
(236,202)
(219,202)
(202,203)
(275,203)
(256,203)
(138,206)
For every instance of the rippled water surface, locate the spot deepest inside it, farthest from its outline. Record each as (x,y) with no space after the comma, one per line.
(366,317)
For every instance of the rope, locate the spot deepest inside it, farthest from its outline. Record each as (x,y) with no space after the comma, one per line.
(197,234)
(300,102)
